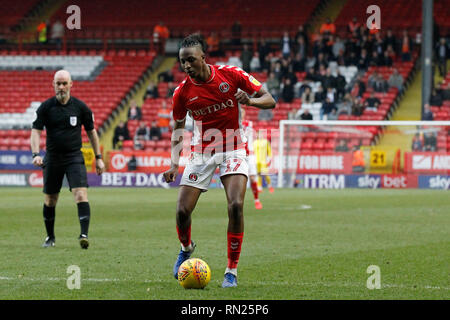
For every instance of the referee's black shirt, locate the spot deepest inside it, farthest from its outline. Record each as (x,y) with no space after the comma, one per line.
(63,125)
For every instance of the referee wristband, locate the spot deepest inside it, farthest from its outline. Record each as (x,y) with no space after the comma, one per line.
(98,156)
(34,154)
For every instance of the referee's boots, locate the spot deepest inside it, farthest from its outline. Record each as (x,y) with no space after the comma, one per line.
(49,242)
(84,241)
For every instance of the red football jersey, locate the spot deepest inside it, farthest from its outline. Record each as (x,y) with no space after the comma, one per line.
(215,110)
(247,126)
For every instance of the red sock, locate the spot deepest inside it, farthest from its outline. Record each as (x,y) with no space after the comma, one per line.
(184,236)
(254,185)
(234,248)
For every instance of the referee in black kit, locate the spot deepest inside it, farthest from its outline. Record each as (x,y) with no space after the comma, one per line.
(62,117)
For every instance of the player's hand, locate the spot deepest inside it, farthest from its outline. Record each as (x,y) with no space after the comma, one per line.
(37,161)
(242,98)
(99,166)
(171,174)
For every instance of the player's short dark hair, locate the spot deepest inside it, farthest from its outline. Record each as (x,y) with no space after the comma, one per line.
(194,40)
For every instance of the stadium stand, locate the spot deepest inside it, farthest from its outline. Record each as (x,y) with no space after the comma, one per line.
(24,84)
(135,19)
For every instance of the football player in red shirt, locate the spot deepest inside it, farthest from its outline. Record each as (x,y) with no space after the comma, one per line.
(210,95)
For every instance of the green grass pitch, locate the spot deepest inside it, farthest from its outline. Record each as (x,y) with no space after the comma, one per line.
(304,244)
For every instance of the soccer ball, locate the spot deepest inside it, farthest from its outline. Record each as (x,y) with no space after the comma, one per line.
(194,273)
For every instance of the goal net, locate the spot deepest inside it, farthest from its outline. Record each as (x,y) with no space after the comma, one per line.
(362,154)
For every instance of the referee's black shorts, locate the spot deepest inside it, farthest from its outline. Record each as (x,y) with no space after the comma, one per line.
(55,169)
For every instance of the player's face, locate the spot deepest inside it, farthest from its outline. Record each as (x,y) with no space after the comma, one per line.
(192,60)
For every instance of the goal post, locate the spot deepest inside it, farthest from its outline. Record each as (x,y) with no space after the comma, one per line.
(313,149)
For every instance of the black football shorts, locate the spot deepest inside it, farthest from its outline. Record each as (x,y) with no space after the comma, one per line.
(54,175)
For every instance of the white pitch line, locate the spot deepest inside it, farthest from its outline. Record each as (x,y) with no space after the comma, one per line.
(261,283)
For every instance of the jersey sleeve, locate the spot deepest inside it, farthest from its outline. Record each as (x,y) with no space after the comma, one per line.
(87,118)
(247,82)
(179,107)
(38,122)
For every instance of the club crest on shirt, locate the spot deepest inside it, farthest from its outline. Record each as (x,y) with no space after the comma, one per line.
(73,121)
(224,87)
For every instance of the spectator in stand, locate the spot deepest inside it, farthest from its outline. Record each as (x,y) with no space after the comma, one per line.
(435,98)
(342,146)
(358,107)
(442,54)
(386,59)
(141,135)
(311,75)
(263,52)
(214,45)
(351,59)
(327,106)
(306,115)
(135,112)
(278,70)
(255,65)
(427,114)
(121,133)
(265,115)
(246,58)
(328,27)
(338,47)
(320,61)
(372,103)
(396,80)
(417,142)
(328,81)
(445,92)
(286,45)
(308,96)
(429,141)
(57,33)
(298,63)
(170,89)
(287,92)
(346,105)
(164,116)
(166,76)
(273,86)
(301,48)
(301,33)
(333,115)
(406,46)
(160,35)
(331,94)
(390,40)
(303,86)
(236,32)
(363,60)
(380,85)
(341,83)
(132,164)
(151,91)
(155,131)
(320,95)
(353,25)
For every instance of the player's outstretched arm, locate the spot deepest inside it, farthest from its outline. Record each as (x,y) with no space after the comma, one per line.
(261,100)
(35,140)
(177,146)
(95,143)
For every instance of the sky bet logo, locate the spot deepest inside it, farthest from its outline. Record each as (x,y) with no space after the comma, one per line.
(439,182)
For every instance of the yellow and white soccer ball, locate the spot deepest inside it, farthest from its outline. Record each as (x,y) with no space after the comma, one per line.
(194,273)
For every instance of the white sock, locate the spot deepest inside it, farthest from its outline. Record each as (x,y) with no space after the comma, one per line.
(188,248)
(232,271)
